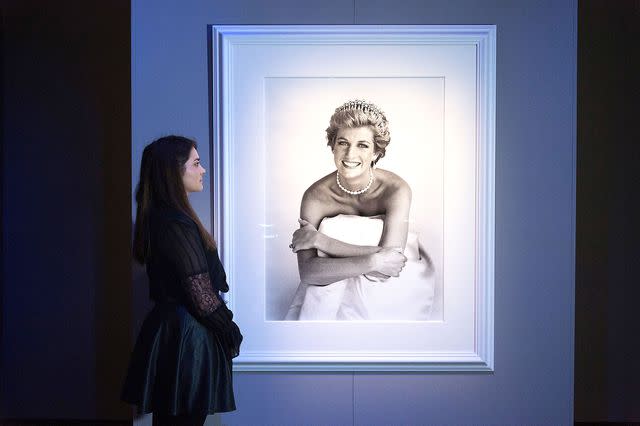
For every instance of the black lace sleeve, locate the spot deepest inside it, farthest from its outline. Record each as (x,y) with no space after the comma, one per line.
(182,246)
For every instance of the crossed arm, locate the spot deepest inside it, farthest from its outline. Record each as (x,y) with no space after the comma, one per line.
(350,260)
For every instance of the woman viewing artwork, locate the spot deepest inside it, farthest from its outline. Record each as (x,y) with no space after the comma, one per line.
(357,259)
(181,365)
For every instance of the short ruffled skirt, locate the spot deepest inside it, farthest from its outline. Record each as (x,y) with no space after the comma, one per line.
(178,366)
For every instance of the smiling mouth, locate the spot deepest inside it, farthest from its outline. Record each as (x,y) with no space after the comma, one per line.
(351,164)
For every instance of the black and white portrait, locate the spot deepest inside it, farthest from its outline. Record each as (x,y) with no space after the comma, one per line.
(361,180)
(356,194)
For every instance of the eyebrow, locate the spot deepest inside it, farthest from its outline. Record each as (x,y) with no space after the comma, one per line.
(360,141)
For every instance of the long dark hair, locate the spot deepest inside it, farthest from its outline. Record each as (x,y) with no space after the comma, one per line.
(160,184)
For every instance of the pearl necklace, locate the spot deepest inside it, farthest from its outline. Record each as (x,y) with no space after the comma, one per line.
(362,191)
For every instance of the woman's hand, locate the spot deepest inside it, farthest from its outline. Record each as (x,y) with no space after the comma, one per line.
(389,261)
(304,238)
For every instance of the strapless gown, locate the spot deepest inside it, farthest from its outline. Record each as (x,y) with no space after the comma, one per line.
(408,297)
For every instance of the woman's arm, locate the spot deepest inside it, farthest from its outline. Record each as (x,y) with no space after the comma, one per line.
(307,236)
(180,244)
(316,270)
(396,225)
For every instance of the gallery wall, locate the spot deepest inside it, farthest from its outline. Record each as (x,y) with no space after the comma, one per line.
(535,192)
(66,202)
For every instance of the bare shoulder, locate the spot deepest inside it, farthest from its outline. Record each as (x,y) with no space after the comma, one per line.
(319,191)
(394,186)
(313,206)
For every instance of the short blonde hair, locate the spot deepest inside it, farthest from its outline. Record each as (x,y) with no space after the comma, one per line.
(359,117)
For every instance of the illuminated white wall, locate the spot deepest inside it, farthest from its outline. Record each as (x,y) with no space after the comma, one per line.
(535,147)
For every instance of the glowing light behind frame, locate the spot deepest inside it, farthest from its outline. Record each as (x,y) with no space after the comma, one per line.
(266,74)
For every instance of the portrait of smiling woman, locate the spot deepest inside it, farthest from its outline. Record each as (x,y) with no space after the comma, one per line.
(356,258)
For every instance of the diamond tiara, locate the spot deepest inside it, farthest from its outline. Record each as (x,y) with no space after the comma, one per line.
(362,105)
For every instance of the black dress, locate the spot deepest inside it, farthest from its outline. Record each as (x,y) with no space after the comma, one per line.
(182,360)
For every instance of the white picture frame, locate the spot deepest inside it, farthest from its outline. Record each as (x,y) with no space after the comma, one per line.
(273,89)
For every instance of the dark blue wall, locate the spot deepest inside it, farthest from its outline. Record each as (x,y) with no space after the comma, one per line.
(535,209)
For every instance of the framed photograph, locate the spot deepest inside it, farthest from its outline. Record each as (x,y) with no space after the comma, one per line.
(375,145)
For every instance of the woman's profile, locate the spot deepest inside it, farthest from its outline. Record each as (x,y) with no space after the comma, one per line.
(181,365)
(357,259)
